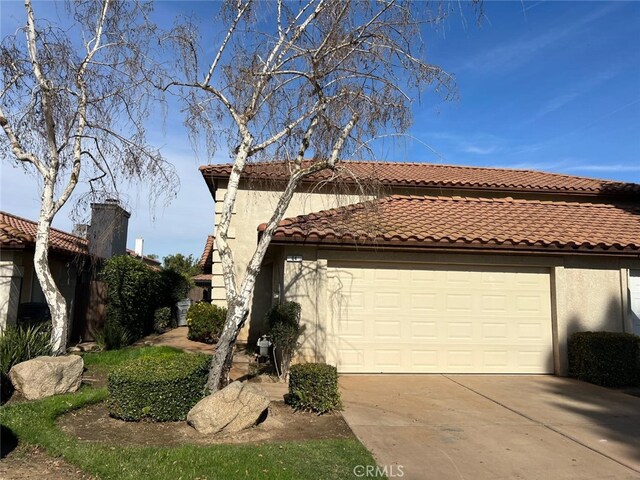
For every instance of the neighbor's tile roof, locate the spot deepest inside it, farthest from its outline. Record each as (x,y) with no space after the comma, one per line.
(472,222)
(17,232)
(433,175)
(207,255)
(203,278)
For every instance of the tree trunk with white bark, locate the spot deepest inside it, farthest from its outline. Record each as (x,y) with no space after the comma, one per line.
(55,300)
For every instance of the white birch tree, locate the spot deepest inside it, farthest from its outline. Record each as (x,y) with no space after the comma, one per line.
(73,102)
(307,83)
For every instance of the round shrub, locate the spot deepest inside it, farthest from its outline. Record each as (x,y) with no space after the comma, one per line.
(161,389)
(205,322)
(314,387)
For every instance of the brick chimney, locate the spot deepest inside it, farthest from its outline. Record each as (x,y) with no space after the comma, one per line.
(107,234)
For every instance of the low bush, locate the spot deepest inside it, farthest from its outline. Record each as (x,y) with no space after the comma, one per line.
(314,387)
(610,359)
(19,344)
(112,336)
(162,388)
(285,332)
(205,322)
(162,320)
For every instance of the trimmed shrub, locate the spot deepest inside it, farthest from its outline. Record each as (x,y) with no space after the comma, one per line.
(19,344)
(162,320)
(161,389)
(205,322)
(285,332)
(610,359)
(132,289)
(314,387)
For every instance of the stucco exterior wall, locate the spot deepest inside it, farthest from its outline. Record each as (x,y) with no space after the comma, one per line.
(10,280)
(252,208)
(586,293)
(17,277)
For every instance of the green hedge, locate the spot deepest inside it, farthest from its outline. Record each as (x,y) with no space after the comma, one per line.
(161,389)
(205,322)
(610,359)
(314,387)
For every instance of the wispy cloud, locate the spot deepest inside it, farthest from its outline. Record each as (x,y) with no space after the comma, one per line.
(607,167)
(509,57)
(479,150)
(577,90)
(476,143)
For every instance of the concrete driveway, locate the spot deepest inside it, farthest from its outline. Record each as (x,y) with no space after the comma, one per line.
(494,427)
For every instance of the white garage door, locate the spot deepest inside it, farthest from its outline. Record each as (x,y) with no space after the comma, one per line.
(399,318)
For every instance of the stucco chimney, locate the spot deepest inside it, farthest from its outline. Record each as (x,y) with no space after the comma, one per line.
(107,234)
(80,230)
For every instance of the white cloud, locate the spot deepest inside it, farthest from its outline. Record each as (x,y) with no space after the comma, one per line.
(511,56)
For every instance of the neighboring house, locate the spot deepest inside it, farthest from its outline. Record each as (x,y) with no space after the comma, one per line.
(451,270)
(74,259)
(202,290)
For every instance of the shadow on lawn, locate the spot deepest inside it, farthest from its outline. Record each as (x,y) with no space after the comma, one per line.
(8,441)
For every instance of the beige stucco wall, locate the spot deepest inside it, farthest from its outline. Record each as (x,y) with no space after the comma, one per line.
(16,282)
(10,280)
(252,208)
(587,293)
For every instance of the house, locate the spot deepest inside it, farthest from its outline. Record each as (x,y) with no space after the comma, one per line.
(74,259)
(202,289)
(445,269)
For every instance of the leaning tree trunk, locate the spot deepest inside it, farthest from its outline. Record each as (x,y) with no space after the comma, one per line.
(223,356)
(56,302)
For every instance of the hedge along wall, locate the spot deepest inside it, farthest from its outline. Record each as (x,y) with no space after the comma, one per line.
(610,359)
(161,389)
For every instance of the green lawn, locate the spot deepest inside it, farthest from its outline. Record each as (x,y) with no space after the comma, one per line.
(34,423)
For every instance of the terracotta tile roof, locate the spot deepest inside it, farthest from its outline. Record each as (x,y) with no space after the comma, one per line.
(442,176)
(152,262)
(472,222)
(17,232)
(203,278)
(206,259)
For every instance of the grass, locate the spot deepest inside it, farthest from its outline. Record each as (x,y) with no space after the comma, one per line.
(113,358)
(35,423)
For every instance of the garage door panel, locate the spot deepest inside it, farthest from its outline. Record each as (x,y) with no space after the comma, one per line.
(427,319)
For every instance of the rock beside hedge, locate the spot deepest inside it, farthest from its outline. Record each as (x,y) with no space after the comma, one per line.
(234,408)
(45,376)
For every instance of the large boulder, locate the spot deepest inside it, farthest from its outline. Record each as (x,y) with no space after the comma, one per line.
(45,376)
(234,408)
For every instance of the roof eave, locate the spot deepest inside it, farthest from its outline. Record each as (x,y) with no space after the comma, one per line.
(445,247)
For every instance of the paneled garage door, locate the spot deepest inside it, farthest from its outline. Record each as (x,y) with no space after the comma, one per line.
(400,318)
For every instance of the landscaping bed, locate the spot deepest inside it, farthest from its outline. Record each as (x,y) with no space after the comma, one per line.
(93,423)
(75,438)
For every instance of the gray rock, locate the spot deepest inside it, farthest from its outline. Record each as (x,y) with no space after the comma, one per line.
(234,408)
(45,376)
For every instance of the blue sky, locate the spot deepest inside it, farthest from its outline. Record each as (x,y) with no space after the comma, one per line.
(550,86)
